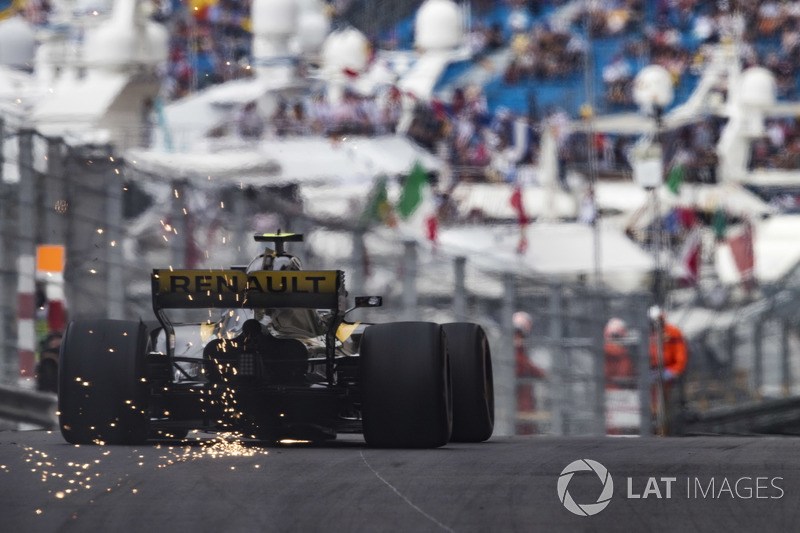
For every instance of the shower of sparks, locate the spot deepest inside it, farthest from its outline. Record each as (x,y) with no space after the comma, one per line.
(67,479)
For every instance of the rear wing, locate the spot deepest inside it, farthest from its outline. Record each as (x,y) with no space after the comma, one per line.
(196,289)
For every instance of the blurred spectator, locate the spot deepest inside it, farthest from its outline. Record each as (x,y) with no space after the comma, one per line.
(180,74)
(558,123)
(477,40)
(475,103)
(37,12)
(207,45)
(543,53)
(298,121)
(527,371)
(759,155)
(617,75)
(673,358)
(147,121)
(705,28)
(207,69)
(769,13)
(587,211)
(494,37)
(620,369)
(391,110)
(320,114)
(621,387)
(249,124)
(214,44)
(279,121)
(47,368)
(776,136)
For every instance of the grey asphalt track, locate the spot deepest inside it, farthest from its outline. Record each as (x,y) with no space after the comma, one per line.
(506,484)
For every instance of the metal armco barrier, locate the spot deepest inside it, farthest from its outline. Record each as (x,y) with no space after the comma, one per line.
(780,416)
(33,407)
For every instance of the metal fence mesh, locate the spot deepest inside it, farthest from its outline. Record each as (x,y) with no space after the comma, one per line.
(118,223)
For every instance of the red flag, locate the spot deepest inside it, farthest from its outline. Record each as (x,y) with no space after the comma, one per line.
(690,257)
(522,218)
(742,250)
(432,226)
(519,207)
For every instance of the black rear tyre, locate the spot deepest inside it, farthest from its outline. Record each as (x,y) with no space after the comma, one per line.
(405,384)
(473,385)
(102,392)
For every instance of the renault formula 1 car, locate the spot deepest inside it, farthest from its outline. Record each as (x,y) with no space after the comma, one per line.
(271,358)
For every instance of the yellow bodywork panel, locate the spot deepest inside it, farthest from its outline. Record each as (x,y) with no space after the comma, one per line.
(345,330)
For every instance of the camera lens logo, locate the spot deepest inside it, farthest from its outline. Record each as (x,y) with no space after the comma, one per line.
(586,509)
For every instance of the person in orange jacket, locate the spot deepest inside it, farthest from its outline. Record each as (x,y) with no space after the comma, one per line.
(620,377)
(525,368)
(674,354)
(619,368)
